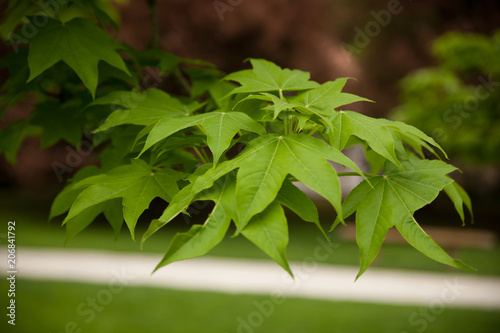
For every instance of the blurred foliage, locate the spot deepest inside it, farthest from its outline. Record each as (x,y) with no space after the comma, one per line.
(458,102)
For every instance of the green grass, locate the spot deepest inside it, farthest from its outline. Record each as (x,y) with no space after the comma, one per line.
(63,307)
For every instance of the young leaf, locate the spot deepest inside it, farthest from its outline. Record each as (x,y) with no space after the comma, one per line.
(392,201)
(266,76)
(371,130)
(278,104)
(136,183)
(79,43)
(459,198)
(220,128)
(324,99)
(142,108)
(412,132)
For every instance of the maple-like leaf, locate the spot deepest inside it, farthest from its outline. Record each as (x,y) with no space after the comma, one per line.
(220,128)
(268,230)
(12,137)
(51,114)
(321,102)
(371,130)
(391,200)
(142,108)
(202,238)
(297,201)
(63,201)
(324,99)
(13,15)
(79,43)
(112,209)
(413,136)
(136,183)
(460,198)
(264,165)
(266,76)
(15,89)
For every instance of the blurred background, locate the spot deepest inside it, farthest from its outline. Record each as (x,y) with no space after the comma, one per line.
(434,65)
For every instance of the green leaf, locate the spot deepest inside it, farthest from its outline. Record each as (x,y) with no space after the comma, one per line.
(136,183)
(179,203)
(325,98)
(269,231)
(279,105)
(202,79)
(120,147)
(392,201)
(296,200)
(320,101)
(51,114)
(263,166)
(459,198)
(114,215)
(112,209)
(63,201)
(414,133)
(181,200)
(202,238)
(101,14)
(13,136)
(142,108)
(266,76)
(15,88)
(220,128)
(371,130)
(15,11)
(79,43)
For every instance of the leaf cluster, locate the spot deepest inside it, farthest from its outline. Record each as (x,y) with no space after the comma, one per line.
(241,140)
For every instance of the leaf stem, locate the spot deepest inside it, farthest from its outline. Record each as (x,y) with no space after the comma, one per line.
(183,81)
(201,155)
(367,174)
(155,31)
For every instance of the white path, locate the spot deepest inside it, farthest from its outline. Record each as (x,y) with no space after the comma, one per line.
(312,280)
